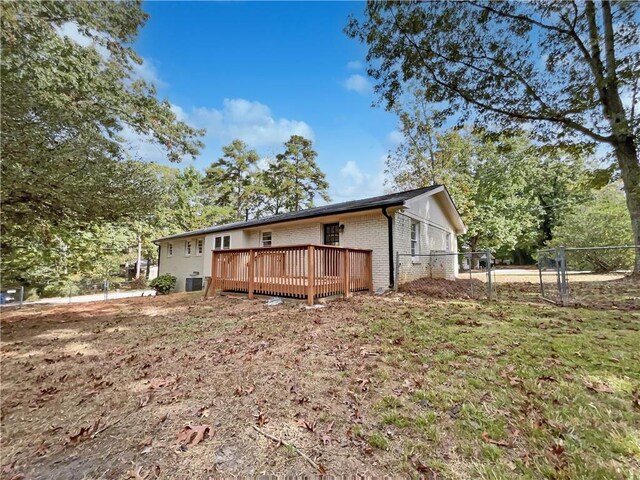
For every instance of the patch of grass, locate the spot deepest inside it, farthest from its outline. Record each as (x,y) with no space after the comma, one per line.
(377,440)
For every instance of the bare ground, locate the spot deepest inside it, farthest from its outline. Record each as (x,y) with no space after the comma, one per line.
(389,385)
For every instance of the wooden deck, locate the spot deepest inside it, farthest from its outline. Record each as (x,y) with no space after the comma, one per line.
(297,271)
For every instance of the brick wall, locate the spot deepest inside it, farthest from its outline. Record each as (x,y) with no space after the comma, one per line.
(432,238)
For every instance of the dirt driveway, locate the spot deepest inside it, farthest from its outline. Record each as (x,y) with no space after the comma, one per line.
(390,385)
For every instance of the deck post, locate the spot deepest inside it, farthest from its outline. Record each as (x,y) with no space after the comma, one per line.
(211,288)
(346,289)
(251,273)
(311,274)
(370,270)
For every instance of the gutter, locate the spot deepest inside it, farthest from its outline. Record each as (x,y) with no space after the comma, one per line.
(390,233)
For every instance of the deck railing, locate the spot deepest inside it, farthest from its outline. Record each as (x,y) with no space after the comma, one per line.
(298,271)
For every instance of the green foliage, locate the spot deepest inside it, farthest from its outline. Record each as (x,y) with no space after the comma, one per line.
(236,184)
(601,221)
(66,105)
(480,63)
(163,284)
(292,181)
(233,181)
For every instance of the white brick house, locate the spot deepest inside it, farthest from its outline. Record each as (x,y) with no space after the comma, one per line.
(414,222)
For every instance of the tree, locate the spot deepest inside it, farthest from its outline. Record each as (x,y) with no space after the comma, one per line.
(191,207)
(233,180)
(568,70)
(493,181)
(66,106)
(294,179)
(603,220)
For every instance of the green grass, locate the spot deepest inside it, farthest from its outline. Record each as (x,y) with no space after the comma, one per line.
(528,378)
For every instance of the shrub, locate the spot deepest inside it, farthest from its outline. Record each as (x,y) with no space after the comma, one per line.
(163,284)
(139,283)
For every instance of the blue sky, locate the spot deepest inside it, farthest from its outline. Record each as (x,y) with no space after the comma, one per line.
(263,71)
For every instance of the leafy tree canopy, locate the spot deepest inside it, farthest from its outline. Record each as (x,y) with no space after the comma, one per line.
(568,70)
(66,106)
(233,181)
(293,179)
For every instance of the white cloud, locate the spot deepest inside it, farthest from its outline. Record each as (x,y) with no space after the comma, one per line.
(146,71)
(358,83)
(354,65)
(357,183)
(395,137)
(179,112)
(250,121)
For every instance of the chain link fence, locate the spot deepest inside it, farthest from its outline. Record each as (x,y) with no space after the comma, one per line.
(74,291)
(433,274)
(581,276)
(11,296)
(589,275)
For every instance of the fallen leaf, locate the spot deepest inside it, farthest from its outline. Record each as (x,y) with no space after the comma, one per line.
(311,426)
(193,435)
(485,436)
(598,387)
(84,433)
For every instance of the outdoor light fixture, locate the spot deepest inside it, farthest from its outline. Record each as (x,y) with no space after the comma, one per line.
(341,228)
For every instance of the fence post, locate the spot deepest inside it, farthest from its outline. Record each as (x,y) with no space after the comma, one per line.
(489,283)
(347,273)
(470,257)
(564,297)
(540,275)
(251,274)
(21,295)
(311,274)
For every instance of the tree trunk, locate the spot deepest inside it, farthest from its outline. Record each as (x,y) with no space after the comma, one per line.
(139,257)
(627,156)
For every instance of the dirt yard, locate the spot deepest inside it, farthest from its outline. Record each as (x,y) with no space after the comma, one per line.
(399,384)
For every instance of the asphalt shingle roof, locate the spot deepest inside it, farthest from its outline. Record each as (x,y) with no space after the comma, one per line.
(390,200)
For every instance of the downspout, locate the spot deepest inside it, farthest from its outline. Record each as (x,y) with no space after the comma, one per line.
(159,251)
(390,233)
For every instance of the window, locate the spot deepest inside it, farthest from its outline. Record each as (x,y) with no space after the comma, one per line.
(415,238)
(187,247)
(332,234)
(266,239)
(170,250)
(222,243)
(199,246)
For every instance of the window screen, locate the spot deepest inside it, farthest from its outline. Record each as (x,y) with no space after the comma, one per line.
(218,243)
(199,246)
(187,247)
(332,234)
(226,242)
(415,237)
(266,239)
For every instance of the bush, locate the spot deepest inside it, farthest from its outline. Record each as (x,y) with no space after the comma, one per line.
(163,284)
(139,283)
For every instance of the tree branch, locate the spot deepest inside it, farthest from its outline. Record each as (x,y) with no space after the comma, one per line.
(469,98)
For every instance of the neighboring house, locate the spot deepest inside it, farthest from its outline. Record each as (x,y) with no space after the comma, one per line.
(414,222)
